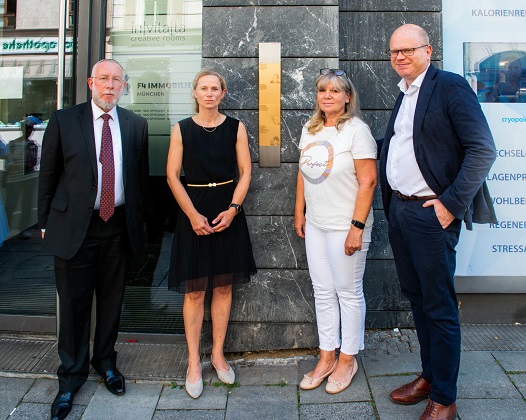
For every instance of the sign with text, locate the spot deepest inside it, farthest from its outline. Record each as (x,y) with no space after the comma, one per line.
(159,45)
(485,41)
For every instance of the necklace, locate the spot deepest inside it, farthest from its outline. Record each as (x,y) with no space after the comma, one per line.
(209,131)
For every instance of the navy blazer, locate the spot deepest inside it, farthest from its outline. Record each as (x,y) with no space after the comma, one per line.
(68,177)
(453,146)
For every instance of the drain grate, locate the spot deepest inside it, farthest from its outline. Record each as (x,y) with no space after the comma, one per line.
(168,361)
(136,360)
(493,337)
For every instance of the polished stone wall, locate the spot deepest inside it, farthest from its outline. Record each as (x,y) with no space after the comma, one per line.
(276,310)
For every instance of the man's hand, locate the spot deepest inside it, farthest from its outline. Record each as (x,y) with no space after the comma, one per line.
(443,215)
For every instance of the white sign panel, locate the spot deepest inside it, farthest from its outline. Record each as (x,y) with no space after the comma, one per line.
(11,82)
(485,41)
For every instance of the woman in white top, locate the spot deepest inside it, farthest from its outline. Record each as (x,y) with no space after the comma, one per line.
(336,182)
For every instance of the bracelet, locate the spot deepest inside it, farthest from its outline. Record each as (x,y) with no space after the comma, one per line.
(358,224)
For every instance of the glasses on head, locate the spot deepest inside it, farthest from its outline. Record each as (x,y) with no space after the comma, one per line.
(336,72)
(406,52)
(105,79)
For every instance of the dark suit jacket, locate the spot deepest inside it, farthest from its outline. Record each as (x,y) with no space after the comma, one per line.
(453,146)
(68,177)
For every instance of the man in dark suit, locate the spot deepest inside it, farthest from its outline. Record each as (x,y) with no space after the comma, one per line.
(437,151)
(93,176)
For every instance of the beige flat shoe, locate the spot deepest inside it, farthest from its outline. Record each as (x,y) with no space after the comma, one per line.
(334,387)
(194,389)
(310,383)
(225,376)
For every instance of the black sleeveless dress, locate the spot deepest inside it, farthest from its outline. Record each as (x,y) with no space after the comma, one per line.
(203,262)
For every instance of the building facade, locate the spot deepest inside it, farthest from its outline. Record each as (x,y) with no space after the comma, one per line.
(161,45)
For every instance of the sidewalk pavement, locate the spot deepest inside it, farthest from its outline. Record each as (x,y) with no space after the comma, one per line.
(491,385)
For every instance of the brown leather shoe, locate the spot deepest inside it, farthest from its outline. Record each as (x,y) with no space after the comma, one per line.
(436,411)
(411,393)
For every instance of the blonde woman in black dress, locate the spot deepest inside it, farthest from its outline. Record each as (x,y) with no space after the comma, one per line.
(211,248)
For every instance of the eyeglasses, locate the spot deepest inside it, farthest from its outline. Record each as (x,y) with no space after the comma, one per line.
(105,79)
(336,72)
(406,52)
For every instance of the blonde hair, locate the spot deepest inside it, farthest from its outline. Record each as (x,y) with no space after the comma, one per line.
(202,73)
(352,108)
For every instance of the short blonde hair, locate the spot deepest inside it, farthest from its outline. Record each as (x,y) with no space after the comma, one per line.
(202,73)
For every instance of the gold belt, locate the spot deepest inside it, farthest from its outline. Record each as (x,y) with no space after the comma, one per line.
(210,184)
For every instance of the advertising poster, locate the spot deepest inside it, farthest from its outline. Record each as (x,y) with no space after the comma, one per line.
(159,45)
(485,41)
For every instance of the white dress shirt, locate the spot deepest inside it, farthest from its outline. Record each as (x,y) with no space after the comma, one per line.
(403,173)
(117,151)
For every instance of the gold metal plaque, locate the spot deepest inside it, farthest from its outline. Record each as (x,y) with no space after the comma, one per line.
(269,104)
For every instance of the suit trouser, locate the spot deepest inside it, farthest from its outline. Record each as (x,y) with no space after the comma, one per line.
(425,260)
(100,266)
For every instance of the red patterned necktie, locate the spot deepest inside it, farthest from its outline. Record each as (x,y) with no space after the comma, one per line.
(107,194)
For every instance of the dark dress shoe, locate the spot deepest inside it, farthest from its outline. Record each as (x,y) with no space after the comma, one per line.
(436,411)
(114,381)
(61,405)
(411,393)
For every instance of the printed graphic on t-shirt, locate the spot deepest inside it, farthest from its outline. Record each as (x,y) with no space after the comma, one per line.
(316,161)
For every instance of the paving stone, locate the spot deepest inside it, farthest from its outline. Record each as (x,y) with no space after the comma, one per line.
(138,403)
(262,402)
(355,411)
(357,391)
(212,398)
(393,364)
(481,377)
(381,387)
(31,411)
(189,414)
(12,392)
(494,409)
(45,390)
(266,375)
(519,380)
(511,361)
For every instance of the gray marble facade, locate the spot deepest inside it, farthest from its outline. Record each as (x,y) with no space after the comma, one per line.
(276,310)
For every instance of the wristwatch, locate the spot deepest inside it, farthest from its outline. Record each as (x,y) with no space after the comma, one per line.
(237,207)
(358,224)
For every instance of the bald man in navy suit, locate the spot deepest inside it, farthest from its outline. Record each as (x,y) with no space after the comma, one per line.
(436,154)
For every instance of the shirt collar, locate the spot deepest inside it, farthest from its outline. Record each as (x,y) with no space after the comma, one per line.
(97,112)
(415,85)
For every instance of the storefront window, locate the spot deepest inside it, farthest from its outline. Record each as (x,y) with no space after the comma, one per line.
(159,45)
(29,48)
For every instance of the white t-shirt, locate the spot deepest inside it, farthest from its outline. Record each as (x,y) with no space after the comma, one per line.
(327,166)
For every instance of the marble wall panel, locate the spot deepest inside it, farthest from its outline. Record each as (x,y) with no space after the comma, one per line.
(254,336)
(381,287)
(275,296)
(376,83)
(380,248)
(389,319)
(297,81)
(391,5)
(310,31)
(365,35)
(272,190)
(245,3)
(377,120)
(275,243)
(291,124)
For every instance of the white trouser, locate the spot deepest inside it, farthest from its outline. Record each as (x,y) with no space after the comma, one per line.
(337,280)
